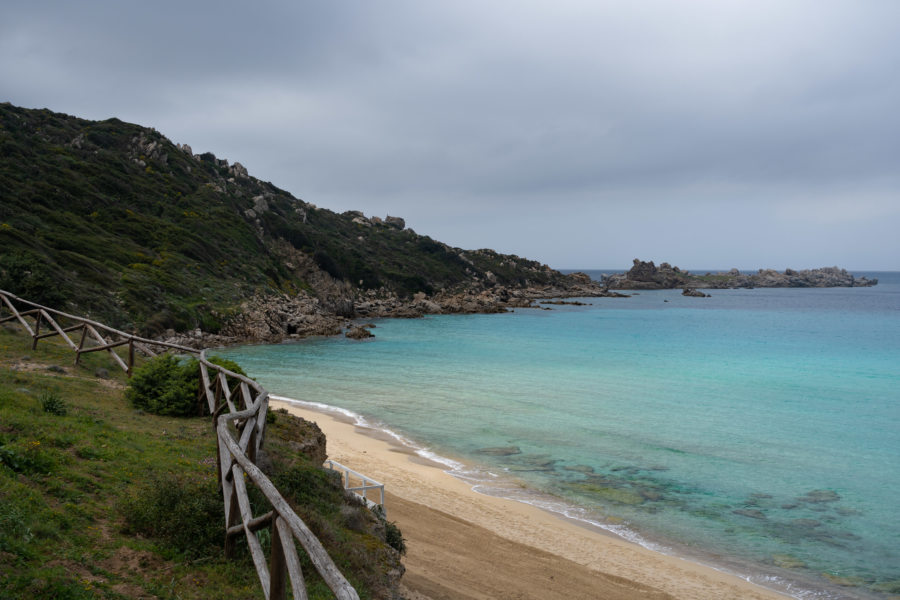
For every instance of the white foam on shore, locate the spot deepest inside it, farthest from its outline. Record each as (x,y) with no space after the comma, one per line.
(491,484)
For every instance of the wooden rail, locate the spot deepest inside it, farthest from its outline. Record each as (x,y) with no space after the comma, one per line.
(238,406)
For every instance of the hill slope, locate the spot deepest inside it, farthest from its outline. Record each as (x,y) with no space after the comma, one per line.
(113,220)
(99,500)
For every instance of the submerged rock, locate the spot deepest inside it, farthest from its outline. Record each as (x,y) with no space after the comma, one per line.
(750,512)
(616,495)
(819,496)
(501,451)
(580,469)
(806,523)
(787,561)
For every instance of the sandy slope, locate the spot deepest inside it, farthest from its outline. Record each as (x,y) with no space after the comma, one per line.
(462,544)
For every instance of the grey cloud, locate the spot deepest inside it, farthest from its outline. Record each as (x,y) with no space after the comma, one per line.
(466,112)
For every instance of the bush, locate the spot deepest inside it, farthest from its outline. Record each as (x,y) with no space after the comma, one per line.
(52,403)
(311,487)
(184,513)
(30,277)
(166,385)
(394,537)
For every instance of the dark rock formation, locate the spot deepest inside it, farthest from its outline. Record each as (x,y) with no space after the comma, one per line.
(647,276)
(397,222)
(358,333)
(693,293)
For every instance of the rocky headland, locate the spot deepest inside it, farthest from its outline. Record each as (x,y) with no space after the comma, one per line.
(647,276)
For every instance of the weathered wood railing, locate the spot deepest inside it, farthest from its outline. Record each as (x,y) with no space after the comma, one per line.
(359,484)
(239,406)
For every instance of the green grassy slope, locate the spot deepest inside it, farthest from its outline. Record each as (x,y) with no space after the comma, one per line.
(107,502)
(114,221)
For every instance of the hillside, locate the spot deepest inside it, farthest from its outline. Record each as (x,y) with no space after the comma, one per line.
(100,500)
(115,221)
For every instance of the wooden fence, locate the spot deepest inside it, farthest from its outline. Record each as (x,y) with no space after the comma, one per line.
(238,406)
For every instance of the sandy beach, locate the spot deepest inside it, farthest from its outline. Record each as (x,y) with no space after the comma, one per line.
(466,545)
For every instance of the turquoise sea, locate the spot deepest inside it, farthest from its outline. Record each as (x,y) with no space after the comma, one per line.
(757,430)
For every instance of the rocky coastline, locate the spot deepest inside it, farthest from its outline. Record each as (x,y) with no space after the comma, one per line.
(644,275)
(275,318)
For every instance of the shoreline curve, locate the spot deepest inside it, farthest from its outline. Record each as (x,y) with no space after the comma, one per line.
(432,507)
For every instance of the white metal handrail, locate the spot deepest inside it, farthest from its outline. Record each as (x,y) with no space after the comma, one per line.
(367,483)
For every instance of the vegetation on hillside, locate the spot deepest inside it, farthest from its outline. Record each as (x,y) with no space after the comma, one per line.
(101,500)
(114,221)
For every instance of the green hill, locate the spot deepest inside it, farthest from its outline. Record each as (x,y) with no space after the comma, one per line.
(113,220)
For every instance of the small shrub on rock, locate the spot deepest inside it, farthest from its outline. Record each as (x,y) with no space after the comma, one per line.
(394,537)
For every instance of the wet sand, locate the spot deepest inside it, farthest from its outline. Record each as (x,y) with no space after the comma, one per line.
(466,545)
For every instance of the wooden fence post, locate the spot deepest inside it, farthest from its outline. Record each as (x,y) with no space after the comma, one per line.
(81,343)
(277,566)
(37,330)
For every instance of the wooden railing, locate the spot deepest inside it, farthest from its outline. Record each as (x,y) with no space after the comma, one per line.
(238,406)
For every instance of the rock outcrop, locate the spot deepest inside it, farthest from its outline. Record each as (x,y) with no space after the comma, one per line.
(358,333)
(479,297)
(693,293)
(647,276)
(275,317)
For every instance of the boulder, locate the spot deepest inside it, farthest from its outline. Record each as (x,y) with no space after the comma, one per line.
(693,293)
(358,333)
(397,222)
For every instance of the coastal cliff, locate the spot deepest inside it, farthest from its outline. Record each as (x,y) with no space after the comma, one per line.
(647,276)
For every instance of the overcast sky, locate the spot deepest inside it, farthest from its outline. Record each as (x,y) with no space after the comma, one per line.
(709,134)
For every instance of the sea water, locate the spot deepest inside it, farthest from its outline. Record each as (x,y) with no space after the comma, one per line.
(757,430)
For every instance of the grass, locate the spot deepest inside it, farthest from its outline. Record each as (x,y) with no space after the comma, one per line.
(81,492)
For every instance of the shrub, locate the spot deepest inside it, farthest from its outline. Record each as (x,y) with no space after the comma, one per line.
(166,385)
(52,403)
(184,513)
(29,276)
(28,459)
(311,487)
(394,537)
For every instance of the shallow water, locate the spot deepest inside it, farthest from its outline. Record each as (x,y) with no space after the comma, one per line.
(758,430)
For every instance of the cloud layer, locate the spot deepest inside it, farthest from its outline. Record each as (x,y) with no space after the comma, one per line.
(709,134)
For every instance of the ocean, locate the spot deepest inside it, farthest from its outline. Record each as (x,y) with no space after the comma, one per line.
(757,431)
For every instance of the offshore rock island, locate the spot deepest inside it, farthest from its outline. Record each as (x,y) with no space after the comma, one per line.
(647,276)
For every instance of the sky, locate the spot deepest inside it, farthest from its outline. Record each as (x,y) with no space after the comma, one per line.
(583,134)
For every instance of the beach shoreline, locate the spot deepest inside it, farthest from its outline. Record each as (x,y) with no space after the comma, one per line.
(465,544)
